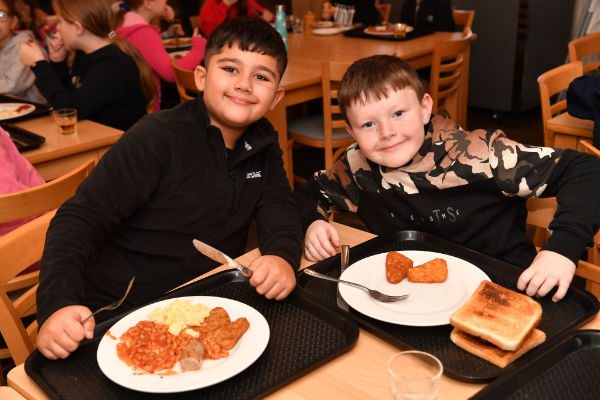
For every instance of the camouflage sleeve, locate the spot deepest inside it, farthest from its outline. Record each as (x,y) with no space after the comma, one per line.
(327,191)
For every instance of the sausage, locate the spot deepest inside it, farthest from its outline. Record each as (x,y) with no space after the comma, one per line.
(192,356)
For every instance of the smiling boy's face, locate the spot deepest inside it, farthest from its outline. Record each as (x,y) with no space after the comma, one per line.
(239,87)
(390,131)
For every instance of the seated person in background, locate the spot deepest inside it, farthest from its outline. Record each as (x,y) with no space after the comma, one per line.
(214,12)
(15,78)
(428,15)
(134,25)
(104,83)
(203,169)
(410,170)
(364,11)
(583,101)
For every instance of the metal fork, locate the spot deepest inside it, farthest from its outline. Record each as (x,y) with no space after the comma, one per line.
(112,305)
(375,294)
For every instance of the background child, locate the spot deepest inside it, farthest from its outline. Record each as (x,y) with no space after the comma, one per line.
(428,15)
(409,170)
(15,78)
(104,83)
(135,26)
(214,12)
(203,169)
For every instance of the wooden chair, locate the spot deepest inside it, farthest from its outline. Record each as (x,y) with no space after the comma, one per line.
(464,18)
(34,201)
(583,47)
(18,250)
(540,212)
(326,131)
(194,21)
(561,129)
(184,80)
(448,71)
(384,12)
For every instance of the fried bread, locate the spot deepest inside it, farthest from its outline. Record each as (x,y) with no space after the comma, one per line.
(494,354)
(396,266)
(498,315)
(434,271)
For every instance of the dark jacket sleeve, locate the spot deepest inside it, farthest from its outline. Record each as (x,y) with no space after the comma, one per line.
(583,101)
(277,217)
(104,199)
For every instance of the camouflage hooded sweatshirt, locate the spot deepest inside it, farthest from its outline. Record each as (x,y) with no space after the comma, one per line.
(468,187)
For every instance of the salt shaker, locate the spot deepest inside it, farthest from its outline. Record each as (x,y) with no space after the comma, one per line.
(280,22)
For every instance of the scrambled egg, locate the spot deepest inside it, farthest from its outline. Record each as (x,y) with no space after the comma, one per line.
(179,315)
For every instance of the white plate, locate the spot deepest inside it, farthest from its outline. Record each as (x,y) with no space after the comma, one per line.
(331,31)
(322,24)
(9,110)
(429,304)
(370,30)
(250,346)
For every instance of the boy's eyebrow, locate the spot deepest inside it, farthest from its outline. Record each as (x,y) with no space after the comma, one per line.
(259,67)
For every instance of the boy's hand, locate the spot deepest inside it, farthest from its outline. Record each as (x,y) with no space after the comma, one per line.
(320,241)
(272,276)
(62,332)
(547,270)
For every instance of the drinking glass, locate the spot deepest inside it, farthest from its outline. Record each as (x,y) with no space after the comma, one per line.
(414,375)
(66,120)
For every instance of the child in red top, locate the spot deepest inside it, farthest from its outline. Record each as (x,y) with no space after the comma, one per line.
(214,12)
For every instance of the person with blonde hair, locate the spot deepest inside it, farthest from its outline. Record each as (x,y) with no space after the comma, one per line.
(108,81)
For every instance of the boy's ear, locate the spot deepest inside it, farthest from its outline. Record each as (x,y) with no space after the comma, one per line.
(200,77)
(350,131)
(277,98)
(426,107)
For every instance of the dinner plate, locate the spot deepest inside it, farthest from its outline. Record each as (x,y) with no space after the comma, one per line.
(322,24)
(250,346)
(331,31)
(177,42)
(372,30)
(15,110)
(429,304)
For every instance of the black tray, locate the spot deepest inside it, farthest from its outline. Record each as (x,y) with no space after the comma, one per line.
(557,318)
(22,138)
(40,109)
(566,370)
(360,33)
(303,336)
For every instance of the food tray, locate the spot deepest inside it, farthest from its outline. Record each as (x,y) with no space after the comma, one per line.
(22,138)
(40,109)
(303,336)
(566,370)
(557,318)
(360,33)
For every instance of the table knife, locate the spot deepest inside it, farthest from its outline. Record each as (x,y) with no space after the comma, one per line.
(219,256)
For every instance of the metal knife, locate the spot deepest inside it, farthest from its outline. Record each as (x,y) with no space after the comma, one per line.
(219,256)
(344,259)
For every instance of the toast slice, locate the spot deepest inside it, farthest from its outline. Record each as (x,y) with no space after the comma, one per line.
(434,271)
(396,266)
(498,315)
(494,354)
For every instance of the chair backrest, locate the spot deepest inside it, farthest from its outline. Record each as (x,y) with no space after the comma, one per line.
(18,250)
(551,83)
(464,18)
(194,21)
(446,71)
(33,201)
(185,82)
(384,12)
(583,47)
(332,73)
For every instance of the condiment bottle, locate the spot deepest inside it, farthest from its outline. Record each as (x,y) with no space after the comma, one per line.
(280,22)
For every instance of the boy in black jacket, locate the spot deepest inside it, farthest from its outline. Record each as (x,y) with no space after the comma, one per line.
(203,169)
(410,170)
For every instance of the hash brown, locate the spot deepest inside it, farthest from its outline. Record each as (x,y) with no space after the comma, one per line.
(396,266)
(434,271)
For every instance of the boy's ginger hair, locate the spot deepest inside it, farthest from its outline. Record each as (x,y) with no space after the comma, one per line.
(249,34)
(373,77)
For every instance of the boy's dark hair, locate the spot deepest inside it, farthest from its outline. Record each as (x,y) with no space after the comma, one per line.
(249,34)
(373,77)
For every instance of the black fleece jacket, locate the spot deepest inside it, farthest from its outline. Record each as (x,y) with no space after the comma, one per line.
(164,183)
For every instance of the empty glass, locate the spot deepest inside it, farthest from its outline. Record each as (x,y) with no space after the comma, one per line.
(414,375)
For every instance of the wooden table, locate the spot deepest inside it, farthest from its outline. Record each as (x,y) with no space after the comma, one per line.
(568,130)
(302,79)
(59,154)
(358,374)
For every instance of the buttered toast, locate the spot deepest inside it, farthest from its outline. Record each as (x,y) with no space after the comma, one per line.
(498,315)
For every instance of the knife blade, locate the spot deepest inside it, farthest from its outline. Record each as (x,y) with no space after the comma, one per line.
(219,256)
